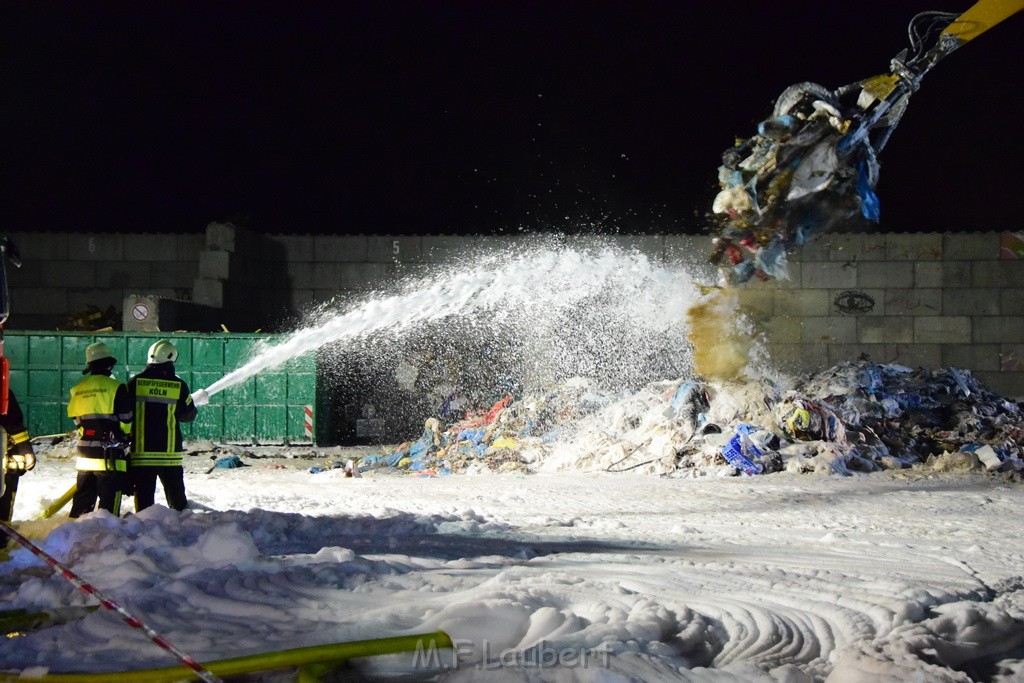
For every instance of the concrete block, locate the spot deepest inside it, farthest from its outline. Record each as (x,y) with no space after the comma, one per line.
(150,247)
(801,302)
(303,301)
(817,249)
(218,265)
(798,358)
(856,302)
(1006,329)
(974,357)
(31,275)
(173,274)
(884,329)
(1011,301)
(189,247)
(827,275)
(93,247)
(687,249)
(39,301)
(123,275)
(65,273)
(209,292)
(782,330)
(290,248)
(829,330)
(448,248)
(299,274)
(874,246)
(394,248)
(915,301)
(364,276)
(230,237)
(998,274)
(913,247)
(927,356)
(340,248)
(38,247)
(884,275)
(970,246)
(856,248)
(970,302)
(328,275)
(942,330)
(1011,357)
(942,274)
(1007,384)
(756,304)
(876,353)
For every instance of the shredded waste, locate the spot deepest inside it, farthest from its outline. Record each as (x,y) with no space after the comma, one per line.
(854,417)
(814,162)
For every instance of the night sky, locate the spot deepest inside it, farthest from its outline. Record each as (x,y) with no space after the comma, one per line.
(465,117)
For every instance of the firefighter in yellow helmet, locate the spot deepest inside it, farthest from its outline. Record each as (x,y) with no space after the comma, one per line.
(102,412)
(18,458)
(162,402)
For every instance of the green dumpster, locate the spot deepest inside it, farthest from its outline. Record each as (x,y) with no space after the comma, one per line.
(278,406)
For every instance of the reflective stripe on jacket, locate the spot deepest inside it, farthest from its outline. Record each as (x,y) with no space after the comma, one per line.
(162,402)
(100,408)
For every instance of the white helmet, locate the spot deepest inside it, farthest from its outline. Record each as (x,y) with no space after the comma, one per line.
(162,351)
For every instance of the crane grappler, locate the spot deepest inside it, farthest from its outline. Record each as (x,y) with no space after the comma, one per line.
(814,162)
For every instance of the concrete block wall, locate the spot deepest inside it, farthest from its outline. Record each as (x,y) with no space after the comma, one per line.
(931,300)
(65,274)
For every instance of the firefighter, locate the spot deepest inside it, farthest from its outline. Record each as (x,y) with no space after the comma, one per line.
(161,403)
(18,459)
(102,412)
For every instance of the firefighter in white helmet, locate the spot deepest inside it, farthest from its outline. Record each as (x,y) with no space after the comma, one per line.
(162,402)
(102,412)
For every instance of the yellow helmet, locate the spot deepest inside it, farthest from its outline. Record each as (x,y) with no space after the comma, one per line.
(162,351)
(95,352)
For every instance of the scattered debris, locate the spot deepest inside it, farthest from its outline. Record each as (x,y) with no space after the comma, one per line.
(854,417)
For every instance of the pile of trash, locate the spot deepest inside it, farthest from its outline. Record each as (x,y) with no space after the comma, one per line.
(854,417)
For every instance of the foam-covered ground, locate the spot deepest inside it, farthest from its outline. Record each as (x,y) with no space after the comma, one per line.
(891,576)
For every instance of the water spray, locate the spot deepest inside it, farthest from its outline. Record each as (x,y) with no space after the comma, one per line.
(597,312)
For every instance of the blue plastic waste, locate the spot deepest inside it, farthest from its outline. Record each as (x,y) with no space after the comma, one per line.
(740,449)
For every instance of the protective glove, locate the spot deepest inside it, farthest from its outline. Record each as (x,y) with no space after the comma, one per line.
(18,462)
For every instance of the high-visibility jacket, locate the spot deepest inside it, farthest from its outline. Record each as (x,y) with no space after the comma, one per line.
(162,402)
(101,409)
(13,423)
(14,439)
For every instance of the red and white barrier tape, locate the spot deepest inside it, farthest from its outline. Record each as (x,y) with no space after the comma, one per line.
(127,617)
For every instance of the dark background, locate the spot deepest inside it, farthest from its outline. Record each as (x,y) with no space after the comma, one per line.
(474,117)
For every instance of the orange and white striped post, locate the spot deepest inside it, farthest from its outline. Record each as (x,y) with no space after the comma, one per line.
(308,424)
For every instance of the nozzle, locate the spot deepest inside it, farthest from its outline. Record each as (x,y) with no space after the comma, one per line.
(200,397)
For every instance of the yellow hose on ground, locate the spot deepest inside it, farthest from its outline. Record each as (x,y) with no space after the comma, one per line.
(312,662)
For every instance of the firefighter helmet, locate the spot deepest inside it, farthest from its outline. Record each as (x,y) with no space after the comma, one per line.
(97,351)
(162,351)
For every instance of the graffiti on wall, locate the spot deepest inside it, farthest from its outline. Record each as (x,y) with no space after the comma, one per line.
(853,302)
